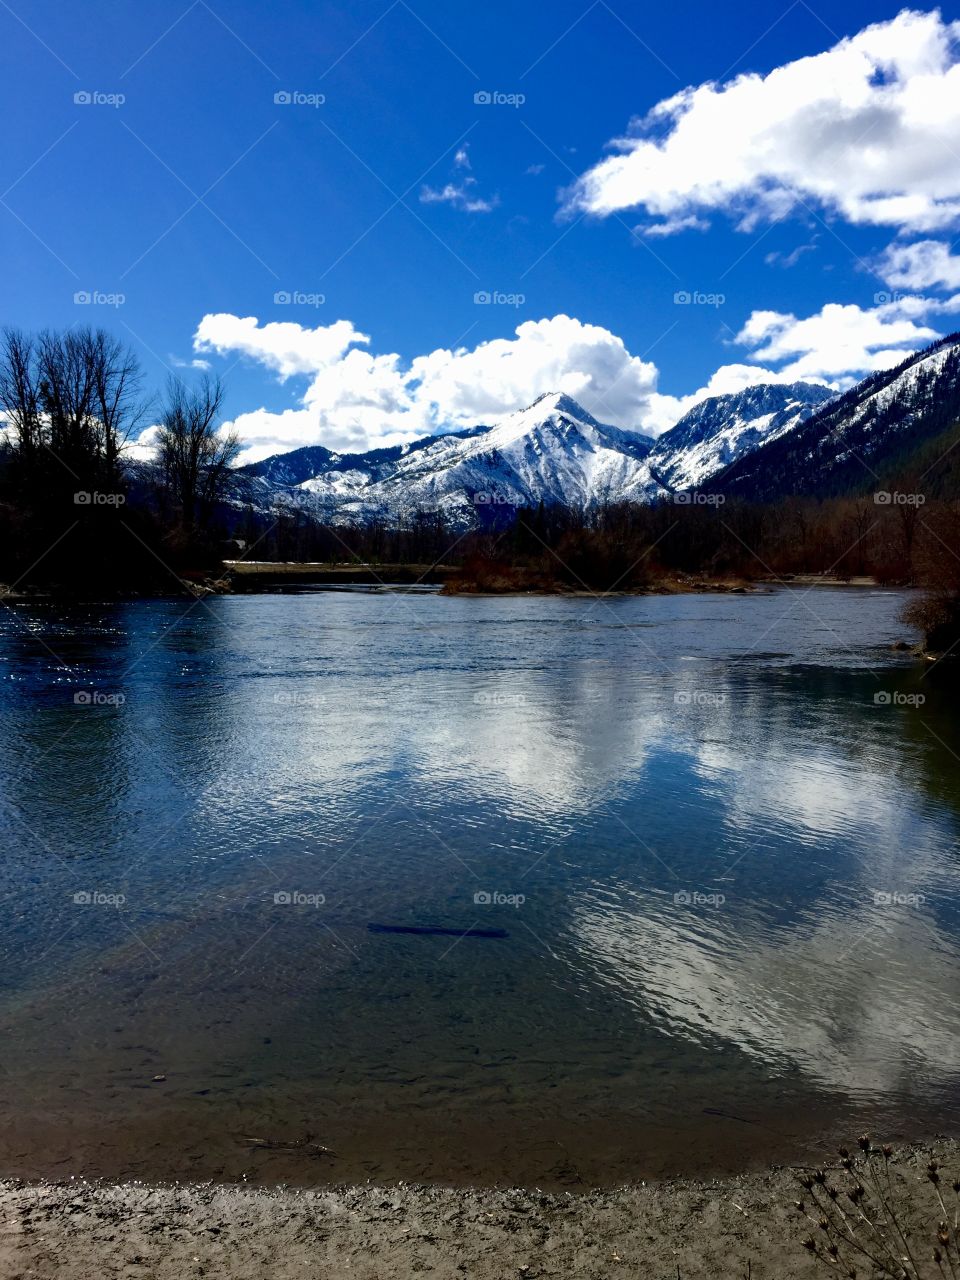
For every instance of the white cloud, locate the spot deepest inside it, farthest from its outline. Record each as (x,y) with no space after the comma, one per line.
(666,411)
(586,361)
(787,260)
(177,363)
(460,196)
(144,447)
(355,399)
(866,129)
(836,347)
(460,191)
(841,342)
(926,264)
(287,347)
(683,222)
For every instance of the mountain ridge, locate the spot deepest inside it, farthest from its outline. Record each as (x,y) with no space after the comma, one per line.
(721,428)
(839,448)
(553,452)
(762,443)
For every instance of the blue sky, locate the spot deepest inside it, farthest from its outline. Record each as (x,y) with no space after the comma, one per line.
(188,191)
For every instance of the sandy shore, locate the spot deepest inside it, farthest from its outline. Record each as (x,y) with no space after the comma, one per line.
(78,1230)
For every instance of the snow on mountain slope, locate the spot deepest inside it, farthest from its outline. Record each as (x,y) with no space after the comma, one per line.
(723,428)
(552,452)
(912,387)
(842,446)
(314,461)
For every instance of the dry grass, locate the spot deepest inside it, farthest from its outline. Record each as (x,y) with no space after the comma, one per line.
(859,1217)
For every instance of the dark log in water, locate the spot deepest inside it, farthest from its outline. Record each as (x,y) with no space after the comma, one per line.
(433,929)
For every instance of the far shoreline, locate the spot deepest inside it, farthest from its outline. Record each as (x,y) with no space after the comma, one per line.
(270,577)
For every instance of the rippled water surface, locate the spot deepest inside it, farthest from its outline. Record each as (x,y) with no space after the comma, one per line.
(712,839)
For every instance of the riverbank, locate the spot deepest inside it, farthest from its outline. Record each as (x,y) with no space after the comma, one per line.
(246,576)
(75,1230)
(521,583)
(252,577)
(513,581)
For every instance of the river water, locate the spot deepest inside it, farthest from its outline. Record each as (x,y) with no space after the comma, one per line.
(683,874)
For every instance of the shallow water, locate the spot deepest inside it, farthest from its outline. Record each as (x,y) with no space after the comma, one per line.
(684,886)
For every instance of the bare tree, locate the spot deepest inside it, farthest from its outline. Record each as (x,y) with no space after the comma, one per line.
(194,454)
(117,383)
(19,391)
(72,400)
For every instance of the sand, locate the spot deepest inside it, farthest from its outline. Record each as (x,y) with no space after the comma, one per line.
(77,1230)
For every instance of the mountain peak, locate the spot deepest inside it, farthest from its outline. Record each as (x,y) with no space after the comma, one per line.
(845,446)
(719,430)
(562,403)
(761,441)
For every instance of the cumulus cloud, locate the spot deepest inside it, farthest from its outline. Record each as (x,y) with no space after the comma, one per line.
(287,347)
(665,411)
(144,448)
(864,129)
(355,399)
(836,347)
(841,342)
(926,264)
(586,361)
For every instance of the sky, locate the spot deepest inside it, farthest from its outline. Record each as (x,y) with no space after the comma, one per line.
(382,219)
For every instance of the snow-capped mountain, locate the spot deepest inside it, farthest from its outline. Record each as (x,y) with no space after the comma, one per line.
(313,461)
(553,452)
(876,425)
(718,431)
(760,443)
